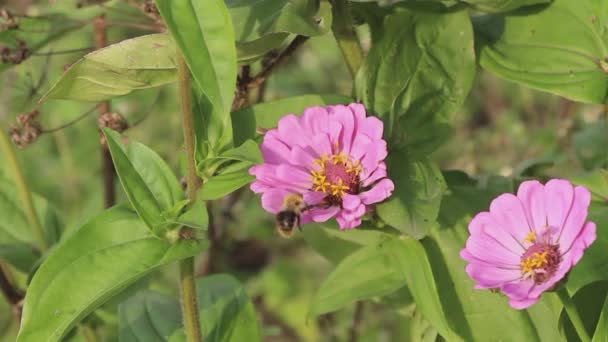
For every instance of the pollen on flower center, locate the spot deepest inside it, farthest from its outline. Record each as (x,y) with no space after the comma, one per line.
(540,261)
(336,175)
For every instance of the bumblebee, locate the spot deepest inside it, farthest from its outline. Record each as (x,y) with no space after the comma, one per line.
(288,219)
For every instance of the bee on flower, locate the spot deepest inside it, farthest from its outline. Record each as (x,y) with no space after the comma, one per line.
(333,157)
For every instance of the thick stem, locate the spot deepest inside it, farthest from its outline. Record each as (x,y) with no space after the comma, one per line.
(108,172)
(346,36)
(24,192)
(355,328)
(186,266)
(573,314)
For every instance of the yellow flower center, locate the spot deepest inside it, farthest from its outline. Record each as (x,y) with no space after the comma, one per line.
(336,175)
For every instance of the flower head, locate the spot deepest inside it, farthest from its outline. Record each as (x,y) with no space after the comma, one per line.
(333,156)
(527,243)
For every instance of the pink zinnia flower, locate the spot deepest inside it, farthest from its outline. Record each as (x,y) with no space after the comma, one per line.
(529,242)
(333,156)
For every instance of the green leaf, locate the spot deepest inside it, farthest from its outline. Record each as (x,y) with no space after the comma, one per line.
(204,33)
(98,261)
(503,5)
(419,186)
(368,272)
(225,183)
(249,52)
(335,244)
(138,63)
(195,217)
(560,49)
(226,313)
(266,115)
(147,180)
(590,145)
(417,74)
(18,245)
(148,316)
(258,18)
(589,302)
(601,330)
(596,182)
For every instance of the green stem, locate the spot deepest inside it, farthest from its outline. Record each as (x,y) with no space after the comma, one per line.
(24,191)
(186,266)
(573,314)
(346,36)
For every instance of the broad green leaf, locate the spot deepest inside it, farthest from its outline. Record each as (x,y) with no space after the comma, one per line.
(368,272)
(204,33)
(601,330)
(417,74)
(102,258)
(559,49)
(419,186)
(195,216)
(138,63)
(266,115)
(590,145)
(147,180)
(225,183)
(148,316)
(226,313)
(18,245)
(596,182)
(258,18)
(249,52)
(589,302)
(36,32)
(247,154)
(335,244)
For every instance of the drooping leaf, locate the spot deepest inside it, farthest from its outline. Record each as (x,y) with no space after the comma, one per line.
(204,33)
(138,63)
(368,272)
(148,316)
(99,260)
(503,5)
(560,48)
(18,244)
(249,52)
(266,115)
(335,244)
(417,74)
(225,183)
(601,330)
(419,186)
(149,183)
(589,302)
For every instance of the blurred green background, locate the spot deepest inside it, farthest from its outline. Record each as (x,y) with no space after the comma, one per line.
(502,129)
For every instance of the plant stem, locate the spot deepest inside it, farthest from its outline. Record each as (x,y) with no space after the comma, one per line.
(346,36)
(109,193)
(573,314)
(186,266)
(24,192)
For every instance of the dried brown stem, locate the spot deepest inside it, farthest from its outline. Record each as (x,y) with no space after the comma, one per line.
(355,329)
(101,40)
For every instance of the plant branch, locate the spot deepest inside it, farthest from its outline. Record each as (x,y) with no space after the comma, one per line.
(262,76)
(71,122)
(60,52)
(186,266)
(101,40)
(346,36)
(24,192)
(355,328)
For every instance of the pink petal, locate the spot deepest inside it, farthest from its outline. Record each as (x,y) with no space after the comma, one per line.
(301,157)
(506,210)
(518,289)
(355,214)
(491,277)
(381,191)
(323,214)
(465,255)
(532,196)
(344,116)
(486,247)
(316,119)
(274,150)
(561,272)
(272,200)
(576,218)
(522,304)
(379,173)
(558,200)
(360,146)
(288,125)
(322,145)
(351,202)
(583,241)
(483,225)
